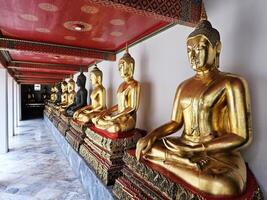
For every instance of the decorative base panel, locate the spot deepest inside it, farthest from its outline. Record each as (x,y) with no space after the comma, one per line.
(92,185)
(55,120)
(75,138)
(77,126)
(63,128)
(144,180)
(113,142)
(104,169)
(65,118)
(104,152)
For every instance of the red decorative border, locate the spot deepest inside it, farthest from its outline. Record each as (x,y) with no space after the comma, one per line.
(41,47)
(177,11)
(113,136)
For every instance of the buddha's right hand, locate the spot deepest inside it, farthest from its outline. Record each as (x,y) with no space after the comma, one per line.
(143,145)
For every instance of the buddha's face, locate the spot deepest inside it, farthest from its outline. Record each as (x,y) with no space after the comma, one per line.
(93,79)
(201,53)
(64,87)
(126,69)
(78,82)
(71,86)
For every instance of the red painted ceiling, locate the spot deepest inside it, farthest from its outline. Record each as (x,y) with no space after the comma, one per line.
(57,21)
(48,58)
(53,21)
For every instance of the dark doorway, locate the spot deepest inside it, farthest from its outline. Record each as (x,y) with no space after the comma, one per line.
(33,98)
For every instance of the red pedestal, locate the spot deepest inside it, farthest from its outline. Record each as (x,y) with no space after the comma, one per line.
(145,180)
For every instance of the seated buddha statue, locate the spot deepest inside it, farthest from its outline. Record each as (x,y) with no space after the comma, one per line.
(52,94)
(71,91)
(213,108)
(98,99)
(122,117)
(64,94)
(68,94)
(80,97)
(58,94)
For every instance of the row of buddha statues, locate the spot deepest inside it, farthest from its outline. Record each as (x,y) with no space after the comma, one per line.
(212,107)
(118,118)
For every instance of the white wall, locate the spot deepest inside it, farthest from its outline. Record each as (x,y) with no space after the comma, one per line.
(10,106)
(3,113)
(161,64)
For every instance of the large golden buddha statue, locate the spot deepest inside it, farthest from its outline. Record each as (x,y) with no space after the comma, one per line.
(98,99)
(122,117)
(213,108)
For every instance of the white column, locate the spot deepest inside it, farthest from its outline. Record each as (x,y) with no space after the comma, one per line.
(18,104)
(15,106)
(10,106)
(19,101)
(3,113)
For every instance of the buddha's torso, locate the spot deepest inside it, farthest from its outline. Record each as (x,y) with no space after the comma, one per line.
(53,96)
(81,95)
(71,97)
(96,97)
(64,98)
(125,95)
(201,100)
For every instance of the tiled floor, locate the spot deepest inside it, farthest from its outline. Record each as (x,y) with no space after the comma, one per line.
(36,169)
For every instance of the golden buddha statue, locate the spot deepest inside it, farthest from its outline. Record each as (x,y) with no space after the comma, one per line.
(71,91)
(64,95)
(214,109)
(53,94)
(98,99)
(122,117)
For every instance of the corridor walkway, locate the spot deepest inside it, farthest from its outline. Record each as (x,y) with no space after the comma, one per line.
(35,168)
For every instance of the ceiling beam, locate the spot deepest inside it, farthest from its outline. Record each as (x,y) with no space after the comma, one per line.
(8,44)
(46,67)
(40,76)
(3,61)
(39,80)
(44,74)
(177,11)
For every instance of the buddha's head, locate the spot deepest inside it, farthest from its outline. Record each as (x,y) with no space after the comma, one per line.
(126,66)
(203,47)
(81,79)
(96,76)
(64,86)
(71,85)
(58,87)
(52,89)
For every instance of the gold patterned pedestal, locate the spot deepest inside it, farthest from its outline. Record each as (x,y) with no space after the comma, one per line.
(75,138)
(144,180)
(47,110)
(64,124)
(104,151)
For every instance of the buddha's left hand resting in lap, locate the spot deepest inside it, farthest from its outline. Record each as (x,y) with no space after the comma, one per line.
(98,99)
(214,110)
(122,117)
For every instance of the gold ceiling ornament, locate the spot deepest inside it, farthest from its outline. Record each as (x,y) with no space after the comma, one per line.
(116,33)
(68,37)
(117,22)
(89,9)
(29,17)
(43,30)
(72,26)
(98,39)
(48,7)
